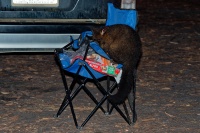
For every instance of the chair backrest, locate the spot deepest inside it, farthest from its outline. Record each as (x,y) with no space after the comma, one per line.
(121,16)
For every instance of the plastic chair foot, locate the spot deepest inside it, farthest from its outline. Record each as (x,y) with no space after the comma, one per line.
(79,128)
(56,116)
(107,113)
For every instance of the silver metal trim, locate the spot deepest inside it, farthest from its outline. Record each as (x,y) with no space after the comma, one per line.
(84,21)
(33,41)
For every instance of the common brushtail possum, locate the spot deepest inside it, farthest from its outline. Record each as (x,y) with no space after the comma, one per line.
(123,45)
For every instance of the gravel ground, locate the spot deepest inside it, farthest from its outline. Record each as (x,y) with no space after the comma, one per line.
(168,87)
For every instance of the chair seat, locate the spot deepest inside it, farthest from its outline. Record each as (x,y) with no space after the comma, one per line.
(97,61)
(73,68)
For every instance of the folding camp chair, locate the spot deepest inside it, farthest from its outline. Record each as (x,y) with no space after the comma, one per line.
(82,72)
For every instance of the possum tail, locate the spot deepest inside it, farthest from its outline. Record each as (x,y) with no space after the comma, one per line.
(125,85)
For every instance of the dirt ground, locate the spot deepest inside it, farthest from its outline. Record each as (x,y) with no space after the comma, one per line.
(168,84)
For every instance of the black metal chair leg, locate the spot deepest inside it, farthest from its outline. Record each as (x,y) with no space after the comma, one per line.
(134,119)
(68,100)
(72,110)
(65,102)
(108,89)
(122,114)
(94,110)
(132,98)
(93,98)
(126,111)
(62,107)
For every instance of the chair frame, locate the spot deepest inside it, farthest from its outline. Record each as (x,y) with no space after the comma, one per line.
(71,93)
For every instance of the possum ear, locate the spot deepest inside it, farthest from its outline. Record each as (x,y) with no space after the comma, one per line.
(99,31)
(103,31)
